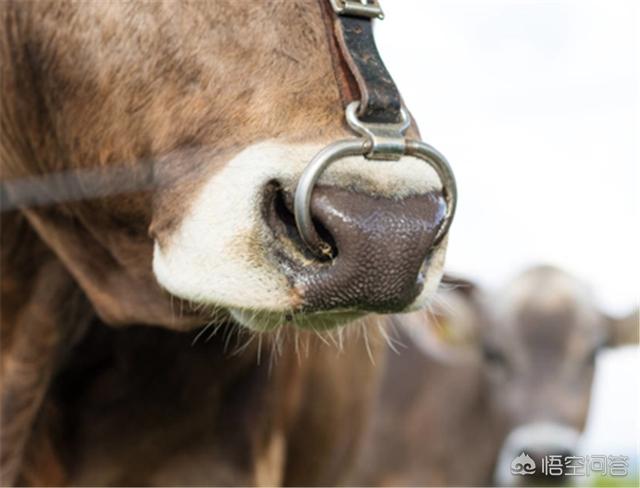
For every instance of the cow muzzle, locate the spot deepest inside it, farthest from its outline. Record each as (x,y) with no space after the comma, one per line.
(537,441)
(377,248)
(237,246)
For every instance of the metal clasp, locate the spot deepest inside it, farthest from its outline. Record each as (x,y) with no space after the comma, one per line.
(358,8)
(384,141)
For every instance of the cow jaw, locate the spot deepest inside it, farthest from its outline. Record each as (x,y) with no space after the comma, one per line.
(223,252)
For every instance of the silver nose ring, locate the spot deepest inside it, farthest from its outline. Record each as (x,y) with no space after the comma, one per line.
(377,142)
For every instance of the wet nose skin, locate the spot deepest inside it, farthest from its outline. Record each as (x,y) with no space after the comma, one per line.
(381,246)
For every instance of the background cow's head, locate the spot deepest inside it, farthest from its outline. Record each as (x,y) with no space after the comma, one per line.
(536,343)
(180,130)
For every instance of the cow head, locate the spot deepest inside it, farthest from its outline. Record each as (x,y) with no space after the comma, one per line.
(539,348)
(176,133)
(535,343)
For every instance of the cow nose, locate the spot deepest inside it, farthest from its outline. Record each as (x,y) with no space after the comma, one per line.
(378,248)
(541,442)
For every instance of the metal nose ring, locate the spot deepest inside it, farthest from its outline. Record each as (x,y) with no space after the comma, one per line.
(379,141)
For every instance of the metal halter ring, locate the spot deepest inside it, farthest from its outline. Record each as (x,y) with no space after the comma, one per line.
(365,147)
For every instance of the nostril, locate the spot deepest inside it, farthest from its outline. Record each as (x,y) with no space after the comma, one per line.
(283,222)
(282,210)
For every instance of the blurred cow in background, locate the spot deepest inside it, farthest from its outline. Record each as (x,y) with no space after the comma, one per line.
(486,378)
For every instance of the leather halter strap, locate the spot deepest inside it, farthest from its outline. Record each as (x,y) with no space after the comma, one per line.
(380,100)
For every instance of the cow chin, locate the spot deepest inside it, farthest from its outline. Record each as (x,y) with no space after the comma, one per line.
(265,321)
(224,254)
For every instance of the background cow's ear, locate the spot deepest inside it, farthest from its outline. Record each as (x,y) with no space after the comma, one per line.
(449,330)
(624,331)
(457,312)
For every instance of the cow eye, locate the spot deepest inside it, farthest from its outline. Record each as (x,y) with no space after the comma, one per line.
(493,355)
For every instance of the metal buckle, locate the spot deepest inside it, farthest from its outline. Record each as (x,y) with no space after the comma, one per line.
(385,141)
(358,8)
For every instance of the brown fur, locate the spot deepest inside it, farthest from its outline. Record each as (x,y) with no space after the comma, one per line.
(145,406)
(148,90)
(81,90)
(42,315)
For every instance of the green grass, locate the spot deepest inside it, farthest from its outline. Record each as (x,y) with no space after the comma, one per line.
(611,481)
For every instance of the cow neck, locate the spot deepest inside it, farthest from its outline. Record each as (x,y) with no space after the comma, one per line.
(359,69)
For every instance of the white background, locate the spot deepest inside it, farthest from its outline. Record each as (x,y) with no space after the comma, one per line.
(535,104)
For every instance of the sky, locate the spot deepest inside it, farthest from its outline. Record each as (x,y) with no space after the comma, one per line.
(536,104)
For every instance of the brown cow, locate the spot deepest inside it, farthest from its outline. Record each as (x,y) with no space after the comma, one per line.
(496,376)
(148,155)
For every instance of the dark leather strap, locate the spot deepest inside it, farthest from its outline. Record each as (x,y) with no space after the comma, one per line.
(379,97)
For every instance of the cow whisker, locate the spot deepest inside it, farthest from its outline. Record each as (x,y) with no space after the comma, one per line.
(214,332)
(307,346)
(240,349)
(331,337)
(365,332)
(391,328)
(341,339)
(319,335)
(273,355)
(381,327)
(202,331)
(259,352)
(281,337)
(296,344)
(227,339)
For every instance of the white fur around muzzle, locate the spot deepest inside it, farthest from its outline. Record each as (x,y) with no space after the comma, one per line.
(546,437)
(220,253)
